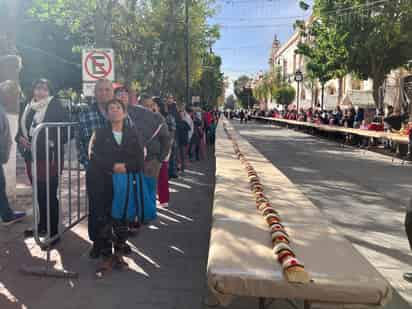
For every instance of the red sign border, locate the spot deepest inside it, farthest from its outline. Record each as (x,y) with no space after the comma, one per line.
(108,72)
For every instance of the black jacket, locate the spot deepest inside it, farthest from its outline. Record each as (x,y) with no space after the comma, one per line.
(147,123)
(182,132)
(395,121)
(55,113)
(104,151)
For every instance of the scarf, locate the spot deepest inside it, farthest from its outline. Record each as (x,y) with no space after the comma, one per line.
(40,108)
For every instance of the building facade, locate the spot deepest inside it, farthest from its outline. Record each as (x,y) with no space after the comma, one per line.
(346,92)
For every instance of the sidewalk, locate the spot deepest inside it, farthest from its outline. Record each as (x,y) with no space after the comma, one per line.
(167,268)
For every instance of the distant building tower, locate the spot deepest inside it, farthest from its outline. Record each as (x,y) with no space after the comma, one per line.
(275,48)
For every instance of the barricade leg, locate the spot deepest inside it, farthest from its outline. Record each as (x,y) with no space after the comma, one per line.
(46,199)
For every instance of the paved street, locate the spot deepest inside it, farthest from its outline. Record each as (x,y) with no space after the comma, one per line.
(167,268)
(362,193)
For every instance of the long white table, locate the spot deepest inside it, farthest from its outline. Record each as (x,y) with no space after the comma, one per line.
(241,262)
(401,139)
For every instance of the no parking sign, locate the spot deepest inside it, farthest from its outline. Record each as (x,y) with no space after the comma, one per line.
(96,64)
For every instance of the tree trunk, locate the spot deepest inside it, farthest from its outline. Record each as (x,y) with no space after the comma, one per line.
(340,91)
(323,96)
(102,24)
(377,83)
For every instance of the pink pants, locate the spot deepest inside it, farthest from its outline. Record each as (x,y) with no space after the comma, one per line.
(163,183)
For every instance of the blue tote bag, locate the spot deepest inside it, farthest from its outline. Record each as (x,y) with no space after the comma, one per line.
(132,197)
(125,197)
(147,209)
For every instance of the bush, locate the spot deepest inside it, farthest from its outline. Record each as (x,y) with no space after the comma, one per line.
(285,95)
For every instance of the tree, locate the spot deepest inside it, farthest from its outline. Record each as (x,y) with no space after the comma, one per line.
(285,95)
(230,102)
(89,19)
(211,83)
(147,36)
(244,92)
(325,51)
(267,85)
(377,35)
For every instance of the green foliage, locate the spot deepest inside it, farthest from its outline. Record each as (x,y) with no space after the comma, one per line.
(230,102)
(303,5)
(211,83)
(267,86)
(377,36)
(325,51)
(285,95)
(244,92)
(147,36)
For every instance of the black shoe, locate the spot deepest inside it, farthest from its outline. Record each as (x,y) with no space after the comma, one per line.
(173,176)
(30,233)
(408,277)
(94,253)
(123,249)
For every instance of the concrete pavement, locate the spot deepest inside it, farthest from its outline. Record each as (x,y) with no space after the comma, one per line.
(362,193)
(167,267)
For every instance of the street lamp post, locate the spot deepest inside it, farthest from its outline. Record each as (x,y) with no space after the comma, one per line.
(298,79)
(187,49)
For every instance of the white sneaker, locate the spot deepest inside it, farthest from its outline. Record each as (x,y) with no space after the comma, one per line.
(164,205)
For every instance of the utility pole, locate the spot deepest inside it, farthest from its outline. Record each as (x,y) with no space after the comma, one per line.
(187,48)
(102,23)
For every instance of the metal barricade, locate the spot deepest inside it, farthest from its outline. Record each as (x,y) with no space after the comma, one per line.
(63,135)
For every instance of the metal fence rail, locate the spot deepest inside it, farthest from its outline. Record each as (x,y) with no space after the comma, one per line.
(69,190)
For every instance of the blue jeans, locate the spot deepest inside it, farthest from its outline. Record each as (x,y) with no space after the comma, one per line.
(6,213)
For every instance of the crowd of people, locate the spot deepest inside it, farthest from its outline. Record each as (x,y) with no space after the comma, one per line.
(391,120)
(129,152)
(352,117)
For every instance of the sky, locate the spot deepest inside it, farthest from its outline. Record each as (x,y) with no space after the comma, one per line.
(247,31)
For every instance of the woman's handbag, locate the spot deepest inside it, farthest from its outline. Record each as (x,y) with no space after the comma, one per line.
(147,210)
(131,198)
(125,199)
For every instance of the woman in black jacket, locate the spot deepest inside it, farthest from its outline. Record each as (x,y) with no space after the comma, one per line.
(43,108)
(114,150)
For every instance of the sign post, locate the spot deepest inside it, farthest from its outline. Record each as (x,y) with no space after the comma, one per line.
(96,64)
(298,79)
